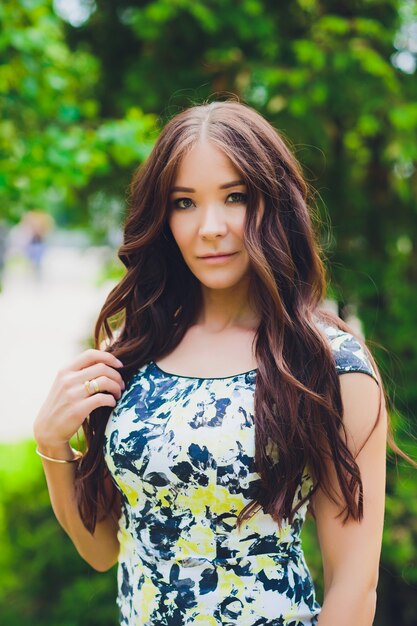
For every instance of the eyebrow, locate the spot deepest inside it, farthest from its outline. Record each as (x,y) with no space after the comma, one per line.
(233,183)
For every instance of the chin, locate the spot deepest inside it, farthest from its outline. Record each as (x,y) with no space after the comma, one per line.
(219,283)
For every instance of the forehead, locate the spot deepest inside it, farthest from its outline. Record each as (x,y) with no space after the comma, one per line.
(205,162)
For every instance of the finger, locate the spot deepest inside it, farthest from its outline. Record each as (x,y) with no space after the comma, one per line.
(104,384)
(92,356)
(97,400)
(100,369)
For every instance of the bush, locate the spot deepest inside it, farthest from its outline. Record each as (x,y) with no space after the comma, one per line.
(43,580)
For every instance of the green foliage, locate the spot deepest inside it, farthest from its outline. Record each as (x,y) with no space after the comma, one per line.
(53,144)
(48,94)
(43,580)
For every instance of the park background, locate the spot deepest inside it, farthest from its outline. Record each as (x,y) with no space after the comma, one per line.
(85,87)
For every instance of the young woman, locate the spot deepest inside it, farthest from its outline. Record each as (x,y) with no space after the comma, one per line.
(217,414)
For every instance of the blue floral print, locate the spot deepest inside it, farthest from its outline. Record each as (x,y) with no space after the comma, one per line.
(181,452)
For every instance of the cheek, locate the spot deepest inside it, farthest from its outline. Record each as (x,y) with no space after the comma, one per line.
(238,229)
(181,232)
(237,223)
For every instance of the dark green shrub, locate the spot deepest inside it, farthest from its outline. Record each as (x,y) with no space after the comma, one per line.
(43,580)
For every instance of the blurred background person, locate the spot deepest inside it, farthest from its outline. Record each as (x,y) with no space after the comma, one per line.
(28,238)
(3,249)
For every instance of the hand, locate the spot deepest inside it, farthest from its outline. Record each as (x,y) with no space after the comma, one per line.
(69,403)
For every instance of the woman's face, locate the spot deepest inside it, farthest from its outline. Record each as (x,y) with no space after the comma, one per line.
(207,207)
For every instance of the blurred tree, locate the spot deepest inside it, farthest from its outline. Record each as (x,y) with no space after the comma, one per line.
(47,93)
(52,141)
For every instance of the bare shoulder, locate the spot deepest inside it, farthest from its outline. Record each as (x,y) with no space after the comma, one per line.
(364,409)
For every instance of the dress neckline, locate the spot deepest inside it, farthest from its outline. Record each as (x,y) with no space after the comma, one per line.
(202,377)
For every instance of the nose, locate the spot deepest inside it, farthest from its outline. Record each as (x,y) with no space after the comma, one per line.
(213,223)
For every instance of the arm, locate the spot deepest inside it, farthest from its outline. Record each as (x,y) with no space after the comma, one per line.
(99,550)
(59,418)
(351,553)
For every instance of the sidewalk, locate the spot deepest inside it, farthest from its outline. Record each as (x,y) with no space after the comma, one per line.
(43,325)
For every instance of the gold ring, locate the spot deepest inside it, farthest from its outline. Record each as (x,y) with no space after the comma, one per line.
(92,383)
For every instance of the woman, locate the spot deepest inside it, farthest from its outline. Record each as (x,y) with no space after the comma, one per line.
(217,413)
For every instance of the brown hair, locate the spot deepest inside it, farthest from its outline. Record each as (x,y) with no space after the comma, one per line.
(158,298)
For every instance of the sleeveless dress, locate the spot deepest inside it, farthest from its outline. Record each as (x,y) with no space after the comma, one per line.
(181,452)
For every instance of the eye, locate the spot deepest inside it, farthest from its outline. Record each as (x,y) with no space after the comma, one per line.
(238,197)
(176,203)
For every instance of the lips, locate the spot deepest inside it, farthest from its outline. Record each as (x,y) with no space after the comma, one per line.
(218,254)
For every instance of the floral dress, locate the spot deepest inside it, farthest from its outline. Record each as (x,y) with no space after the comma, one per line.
(181,452)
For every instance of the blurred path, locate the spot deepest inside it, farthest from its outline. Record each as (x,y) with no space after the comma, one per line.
(43,325)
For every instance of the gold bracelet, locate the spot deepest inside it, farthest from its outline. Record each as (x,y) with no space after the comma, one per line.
(79,455)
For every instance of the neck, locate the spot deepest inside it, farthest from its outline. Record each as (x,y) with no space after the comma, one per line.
(227,308)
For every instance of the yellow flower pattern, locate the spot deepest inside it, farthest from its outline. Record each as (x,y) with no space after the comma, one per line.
(181,452)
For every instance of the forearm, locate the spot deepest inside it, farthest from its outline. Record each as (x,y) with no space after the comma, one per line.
(347,604)
(99,550)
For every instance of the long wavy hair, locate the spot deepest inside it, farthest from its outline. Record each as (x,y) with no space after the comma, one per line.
(148,312)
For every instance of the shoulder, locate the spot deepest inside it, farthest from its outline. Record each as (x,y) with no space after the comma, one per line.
(362,400)
(349,353)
